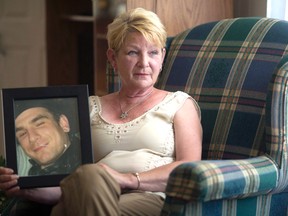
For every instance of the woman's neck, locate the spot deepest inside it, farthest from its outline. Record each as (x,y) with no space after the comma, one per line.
(135,95)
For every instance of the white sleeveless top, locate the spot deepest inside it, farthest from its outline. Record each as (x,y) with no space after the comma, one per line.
(141,144)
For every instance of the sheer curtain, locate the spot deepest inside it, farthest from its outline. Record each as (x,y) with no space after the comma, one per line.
(277,9)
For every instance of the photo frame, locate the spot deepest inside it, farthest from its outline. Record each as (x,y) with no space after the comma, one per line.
(47,132)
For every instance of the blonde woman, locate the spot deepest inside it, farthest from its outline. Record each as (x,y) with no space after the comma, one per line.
(140,134)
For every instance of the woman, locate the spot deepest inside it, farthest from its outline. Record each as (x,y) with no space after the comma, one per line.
(140,134)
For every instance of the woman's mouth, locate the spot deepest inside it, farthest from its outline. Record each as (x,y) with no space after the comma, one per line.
(141,74)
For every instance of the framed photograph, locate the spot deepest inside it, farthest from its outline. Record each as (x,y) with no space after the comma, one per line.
(47,132)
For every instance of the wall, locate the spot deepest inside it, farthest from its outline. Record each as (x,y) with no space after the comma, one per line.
(245,8)
(22,47)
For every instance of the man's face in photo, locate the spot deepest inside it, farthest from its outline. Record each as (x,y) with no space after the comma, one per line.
(42,137)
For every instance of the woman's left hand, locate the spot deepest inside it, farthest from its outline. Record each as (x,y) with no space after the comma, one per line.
(125,180)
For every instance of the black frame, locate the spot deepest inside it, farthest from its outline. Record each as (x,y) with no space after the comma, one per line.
(11,95)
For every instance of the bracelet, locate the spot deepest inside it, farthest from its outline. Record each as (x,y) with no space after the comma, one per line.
(138,179)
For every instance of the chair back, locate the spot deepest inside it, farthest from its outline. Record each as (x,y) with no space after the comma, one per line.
(227,67)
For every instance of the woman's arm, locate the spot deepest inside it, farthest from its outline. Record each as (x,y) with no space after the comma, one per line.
(188,147)
(48,195)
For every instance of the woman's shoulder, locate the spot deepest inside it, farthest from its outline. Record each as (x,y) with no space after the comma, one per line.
(95,99)
(185,96)
(98,104)
(181,94)
(94,105)
(180,97)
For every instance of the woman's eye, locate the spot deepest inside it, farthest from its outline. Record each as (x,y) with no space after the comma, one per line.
(155,52)
(132,52)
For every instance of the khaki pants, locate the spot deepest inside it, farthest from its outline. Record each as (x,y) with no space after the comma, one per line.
(91,191)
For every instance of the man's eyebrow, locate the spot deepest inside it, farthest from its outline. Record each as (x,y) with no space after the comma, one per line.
(35,119)
(39,117)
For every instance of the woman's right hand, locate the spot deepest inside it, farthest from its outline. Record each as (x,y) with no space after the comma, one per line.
(8,182)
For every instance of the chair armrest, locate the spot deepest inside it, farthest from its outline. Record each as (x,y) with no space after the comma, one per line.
(276,116)
(218,179)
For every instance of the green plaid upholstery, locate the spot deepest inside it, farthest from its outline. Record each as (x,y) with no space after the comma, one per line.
(203,181)
(237,71)
(262,205)
(218,64)
(277,121)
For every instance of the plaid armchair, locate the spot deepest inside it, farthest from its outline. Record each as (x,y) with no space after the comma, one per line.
(237,70)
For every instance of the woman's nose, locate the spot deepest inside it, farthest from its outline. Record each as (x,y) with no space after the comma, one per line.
(144,60)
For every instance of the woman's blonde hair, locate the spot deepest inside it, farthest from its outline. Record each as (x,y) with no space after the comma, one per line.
(136,20)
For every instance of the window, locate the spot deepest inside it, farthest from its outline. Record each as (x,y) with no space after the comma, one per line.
(277,9)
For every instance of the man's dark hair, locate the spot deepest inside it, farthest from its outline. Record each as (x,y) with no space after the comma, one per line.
(52,105)
(56,106)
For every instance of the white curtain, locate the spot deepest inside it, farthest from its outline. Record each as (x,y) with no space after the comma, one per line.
(277,9)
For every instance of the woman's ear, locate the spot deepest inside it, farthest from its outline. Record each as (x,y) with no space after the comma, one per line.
(111,56)
(163,54)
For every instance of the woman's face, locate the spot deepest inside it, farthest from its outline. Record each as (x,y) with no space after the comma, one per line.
(138,62)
